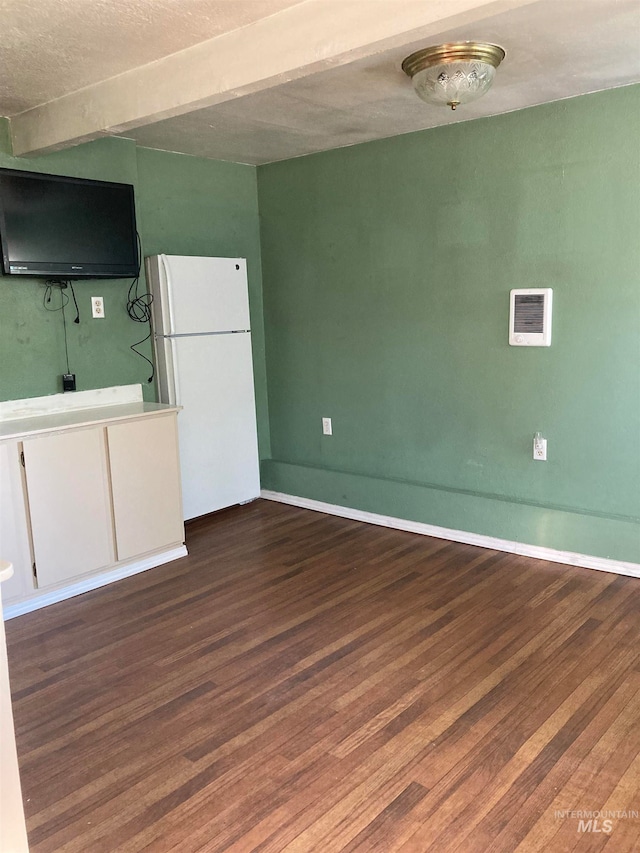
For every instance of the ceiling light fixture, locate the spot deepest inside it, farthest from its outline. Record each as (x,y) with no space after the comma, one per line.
(453,74)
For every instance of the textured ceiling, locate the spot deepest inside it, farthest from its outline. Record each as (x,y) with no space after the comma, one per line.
(51,48)
(555,49)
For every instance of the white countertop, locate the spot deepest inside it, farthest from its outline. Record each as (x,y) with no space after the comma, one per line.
(45,423)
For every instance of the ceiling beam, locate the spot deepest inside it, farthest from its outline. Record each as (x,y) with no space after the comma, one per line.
(298,41)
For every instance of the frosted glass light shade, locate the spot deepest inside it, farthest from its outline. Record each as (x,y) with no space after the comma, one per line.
(452,74)
(454,83)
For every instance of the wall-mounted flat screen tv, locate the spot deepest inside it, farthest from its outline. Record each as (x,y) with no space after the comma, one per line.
(57,227)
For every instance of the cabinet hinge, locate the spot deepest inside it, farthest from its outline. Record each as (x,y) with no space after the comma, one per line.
(22,458)
(35,571)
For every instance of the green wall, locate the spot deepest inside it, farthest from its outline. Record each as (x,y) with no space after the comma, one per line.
(184,205)
(32,355)
(387,269)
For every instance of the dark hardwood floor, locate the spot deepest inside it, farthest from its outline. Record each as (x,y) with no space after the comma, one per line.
(307,683)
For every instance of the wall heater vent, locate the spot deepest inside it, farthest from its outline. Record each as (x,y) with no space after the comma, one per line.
(530,317)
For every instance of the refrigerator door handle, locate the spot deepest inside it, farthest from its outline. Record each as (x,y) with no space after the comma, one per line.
(167,301)
(173,378)
(165,355)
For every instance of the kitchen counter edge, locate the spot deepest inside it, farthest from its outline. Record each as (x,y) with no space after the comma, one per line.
(43,424)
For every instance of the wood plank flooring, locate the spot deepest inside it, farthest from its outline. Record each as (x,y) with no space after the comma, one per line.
(307,683)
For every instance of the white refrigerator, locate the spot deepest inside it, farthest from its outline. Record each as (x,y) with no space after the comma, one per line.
(202,344)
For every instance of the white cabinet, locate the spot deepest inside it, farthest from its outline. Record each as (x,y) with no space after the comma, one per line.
(147,508)
(88,499)
(13,831)
(14,537)
(68,497)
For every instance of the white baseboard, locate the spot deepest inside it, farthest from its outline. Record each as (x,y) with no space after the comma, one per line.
(93,582)
(538,552)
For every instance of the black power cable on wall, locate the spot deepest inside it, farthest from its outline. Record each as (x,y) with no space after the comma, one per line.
(139,309)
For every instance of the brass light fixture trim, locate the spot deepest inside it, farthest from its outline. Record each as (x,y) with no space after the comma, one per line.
(442,54)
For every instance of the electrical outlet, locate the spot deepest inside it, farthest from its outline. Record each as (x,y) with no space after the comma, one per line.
(539,448)
(327,429)
(97,307)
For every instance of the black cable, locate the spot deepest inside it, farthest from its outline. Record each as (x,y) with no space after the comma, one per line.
(142,355)
(64,325)
(139,309)
(75,302)
(49,286)
(48,292)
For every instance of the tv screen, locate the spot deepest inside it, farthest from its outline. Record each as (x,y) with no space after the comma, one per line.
(66,228)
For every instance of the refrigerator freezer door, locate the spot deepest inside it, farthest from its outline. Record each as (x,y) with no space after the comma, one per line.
(199,295)
(217,426)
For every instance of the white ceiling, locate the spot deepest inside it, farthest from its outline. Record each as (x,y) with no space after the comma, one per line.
(273,79)
(51,47)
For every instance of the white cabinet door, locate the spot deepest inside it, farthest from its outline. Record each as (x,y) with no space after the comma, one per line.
(145,482)
(69,506)
(13,833)
(14,536)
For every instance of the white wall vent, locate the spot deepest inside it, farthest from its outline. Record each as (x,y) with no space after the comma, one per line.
(530,317)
